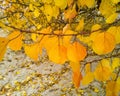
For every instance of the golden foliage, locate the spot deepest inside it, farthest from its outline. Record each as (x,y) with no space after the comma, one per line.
(76,52)
(58,54)
(103,43)
(3,46)
(115,31)
(61,27)
(32,51)
(61,3)
(77,77)
(80,26)
(88,74)
(15,40)
(88,3)
(103,70)
(112,88)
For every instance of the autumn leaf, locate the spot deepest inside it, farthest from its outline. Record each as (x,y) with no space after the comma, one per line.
(76,52)
(69,2)
(107,8)
(103,43)
(35,36)
(70,13)
(88,74)
(62,4)
(115,63)
(32,50)
(115,31)
(75,66)
(66,39)
(89,77)
(112,88)
(115,1)
(48,11)
(88,3)
(112,18)
(58,54)
(3,46)
(80,26)
(96,28)
(77,77)
(36,13)
(49,41)
(15,40)
(103,70)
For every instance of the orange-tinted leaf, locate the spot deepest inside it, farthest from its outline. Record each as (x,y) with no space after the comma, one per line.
(112,18)
(58,54)
(15,40)
(61,3)
(112,88)
(115,31)
(95,27)
(103,70)
(32,51)
(76,52)
(3,46)
(66,39)
(70,13)
(80,26)
(49,42)
(103,43)
(75,66)
(77,77)
(89,77)
(88,74)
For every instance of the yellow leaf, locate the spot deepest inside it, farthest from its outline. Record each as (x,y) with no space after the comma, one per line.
(88,74)
(76,52)
(58,54)
(49,42)
(85,39)
(88,3)
(115,31)
(69,2)
(75,66)
(36,12)
(32,51)
(48,11)
(77,77)
(47,1)
(107,8)
(3,46)
(89,77)
(112,88)
(96,27)
(112,18)
(62,4)
(55,11)
(66,27)
(70,13)
(66,39)
(115,1)
(103,43)
(15,40)
(115,63)
(31,7)
(80,26)
(103,70)
(87,68)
